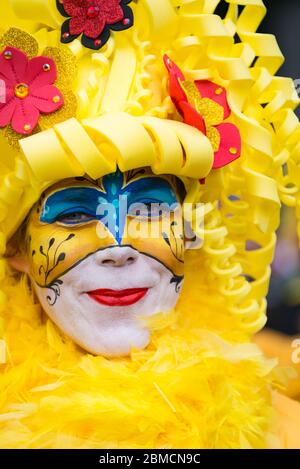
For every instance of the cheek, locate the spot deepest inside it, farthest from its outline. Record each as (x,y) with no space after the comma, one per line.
(53,250)
(162,240)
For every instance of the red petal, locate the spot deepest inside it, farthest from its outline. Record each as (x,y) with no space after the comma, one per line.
(191,116)
(77,25)
(216,93)
(24,114)
(14,69)
(6,93)
(106,6)
(42,99)
(7,110)
(74,7)
(94,27)
(230,139)
(176,92)
(112,15)
(37,76)
(172,68)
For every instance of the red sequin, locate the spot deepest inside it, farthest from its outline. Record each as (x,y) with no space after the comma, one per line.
(93,12)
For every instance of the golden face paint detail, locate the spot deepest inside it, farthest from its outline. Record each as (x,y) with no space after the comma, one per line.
(158,239)
(55,249)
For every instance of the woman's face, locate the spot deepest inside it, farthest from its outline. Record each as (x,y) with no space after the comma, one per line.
(104,254)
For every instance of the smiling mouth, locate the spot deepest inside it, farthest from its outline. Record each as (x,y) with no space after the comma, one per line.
(118,297)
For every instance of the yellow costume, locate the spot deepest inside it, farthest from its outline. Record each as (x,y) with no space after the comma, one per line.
(201,382)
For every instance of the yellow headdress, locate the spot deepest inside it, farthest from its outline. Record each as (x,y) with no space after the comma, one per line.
(124,116)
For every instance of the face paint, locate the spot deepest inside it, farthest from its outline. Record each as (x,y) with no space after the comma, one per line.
(81,230)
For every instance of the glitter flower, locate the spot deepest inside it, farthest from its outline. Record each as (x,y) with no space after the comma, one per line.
(203,104)
(93,19)
(29,90)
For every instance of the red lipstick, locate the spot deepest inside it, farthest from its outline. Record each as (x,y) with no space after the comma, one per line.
(118,297)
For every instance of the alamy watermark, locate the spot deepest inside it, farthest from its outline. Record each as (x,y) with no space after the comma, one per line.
(152,220)
(296,352)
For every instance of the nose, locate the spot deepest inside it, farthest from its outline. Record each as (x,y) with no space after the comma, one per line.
(117,256)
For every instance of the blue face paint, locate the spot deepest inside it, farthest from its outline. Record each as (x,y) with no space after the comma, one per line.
(77,205)
(81,200)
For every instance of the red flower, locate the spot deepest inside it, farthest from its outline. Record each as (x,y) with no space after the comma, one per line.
(94,19)
(29,90)
(203,104)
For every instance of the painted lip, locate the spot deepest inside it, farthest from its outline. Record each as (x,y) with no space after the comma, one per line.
(118,297)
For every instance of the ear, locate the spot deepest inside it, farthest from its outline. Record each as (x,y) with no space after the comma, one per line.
(19,262)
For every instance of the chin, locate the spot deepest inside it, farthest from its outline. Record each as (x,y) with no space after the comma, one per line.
(119,342)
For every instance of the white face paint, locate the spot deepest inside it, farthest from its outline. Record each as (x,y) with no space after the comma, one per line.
(100,328)
(97,285)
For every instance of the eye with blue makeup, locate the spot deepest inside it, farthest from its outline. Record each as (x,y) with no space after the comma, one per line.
(147,197)
(71,206)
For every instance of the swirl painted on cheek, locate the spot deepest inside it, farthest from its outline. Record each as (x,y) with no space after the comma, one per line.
(51,261)
(176,244)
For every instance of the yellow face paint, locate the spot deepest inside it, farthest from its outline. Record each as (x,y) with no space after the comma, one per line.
(78,217)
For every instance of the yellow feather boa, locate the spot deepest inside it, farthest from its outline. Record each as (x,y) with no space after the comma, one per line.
(194,386)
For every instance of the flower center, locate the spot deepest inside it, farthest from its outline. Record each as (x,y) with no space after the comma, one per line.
(93,11)
(21,90)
